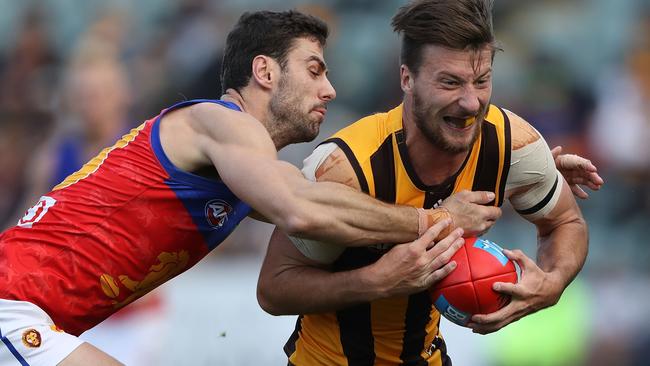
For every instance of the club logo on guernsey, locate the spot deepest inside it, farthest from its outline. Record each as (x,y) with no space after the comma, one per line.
(36,213)
(216,212)
(32,338)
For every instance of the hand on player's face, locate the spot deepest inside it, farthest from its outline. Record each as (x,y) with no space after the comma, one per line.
(534,291)
(413,267)
(469,213)
(577,171)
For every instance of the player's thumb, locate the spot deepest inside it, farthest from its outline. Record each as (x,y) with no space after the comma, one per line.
(520,258)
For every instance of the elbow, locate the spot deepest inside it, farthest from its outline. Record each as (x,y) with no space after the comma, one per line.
(302,224)
(267,302)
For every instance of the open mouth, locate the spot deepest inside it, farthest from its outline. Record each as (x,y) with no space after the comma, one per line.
(459,123)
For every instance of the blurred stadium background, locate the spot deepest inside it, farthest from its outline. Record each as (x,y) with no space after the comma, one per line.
(579,70)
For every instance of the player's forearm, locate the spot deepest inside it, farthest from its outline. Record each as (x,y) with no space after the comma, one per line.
(322,211)
(305,290)
(563,251)
(336,213)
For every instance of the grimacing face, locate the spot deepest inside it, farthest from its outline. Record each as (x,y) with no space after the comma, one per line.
(300,102)
(451,94)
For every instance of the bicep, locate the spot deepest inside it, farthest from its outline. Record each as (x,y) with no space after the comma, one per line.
(566,210)
(245,158)
(225,136)
(255,177)
(534,184)
(229,138)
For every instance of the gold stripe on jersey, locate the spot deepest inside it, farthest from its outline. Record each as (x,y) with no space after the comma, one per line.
(91,166)
(402,330)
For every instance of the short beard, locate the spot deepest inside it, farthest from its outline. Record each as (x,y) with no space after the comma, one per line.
(434,134)
(288,123)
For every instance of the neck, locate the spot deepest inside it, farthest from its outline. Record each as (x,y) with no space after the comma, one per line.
(432,164)
(256,104)
(233,96)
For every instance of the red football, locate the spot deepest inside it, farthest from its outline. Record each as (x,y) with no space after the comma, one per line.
(467,290)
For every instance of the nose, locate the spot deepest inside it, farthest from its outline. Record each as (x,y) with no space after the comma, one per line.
(470,101)
(328,93)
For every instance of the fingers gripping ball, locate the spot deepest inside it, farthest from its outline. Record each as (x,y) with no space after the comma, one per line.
(467,290)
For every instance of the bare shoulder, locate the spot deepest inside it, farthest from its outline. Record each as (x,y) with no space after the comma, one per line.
(207,117)
(218,124)
(187,134)
(337,168)
(522,132)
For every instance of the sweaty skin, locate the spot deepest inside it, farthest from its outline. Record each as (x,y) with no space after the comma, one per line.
(337,168)
(522,133)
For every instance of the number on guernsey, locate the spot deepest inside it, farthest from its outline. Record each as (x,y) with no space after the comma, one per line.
(36,213)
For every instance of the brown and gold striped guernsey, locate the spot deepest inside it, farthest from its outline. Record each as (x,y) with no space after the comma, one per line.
(400,330)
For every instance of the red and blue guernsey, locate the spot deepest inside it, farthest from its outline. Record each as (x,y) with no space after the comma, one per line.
(125,223)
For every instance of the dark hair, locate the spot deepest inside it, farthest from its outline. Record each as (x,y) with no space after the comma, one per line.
(265,33)
(455,24)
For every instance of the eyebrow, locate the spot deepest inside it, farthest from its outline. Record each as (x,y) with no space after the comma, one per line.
(446,74)
(320,62)
(489,70)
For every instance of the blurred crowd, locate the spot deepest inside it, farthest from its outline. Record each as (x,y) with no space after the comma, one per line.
(75,75)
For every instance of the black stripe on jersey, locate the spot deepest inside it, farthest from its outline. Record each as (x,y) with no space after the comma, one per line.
(433,197)
(506,158)
(440,345)
(290,346)
(543,203)
(433,192)
(487,166)
(408,166)
(353,161)
(446,360)
(418,315)
(356,335)
(382,162)
(355,328)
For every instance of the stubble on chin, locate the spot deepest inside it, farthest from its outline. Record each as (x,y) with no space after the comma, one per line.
(425,120)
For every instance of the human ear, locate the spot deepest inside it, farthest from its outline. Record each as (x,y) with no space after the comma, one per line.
(406,79)
(262,71)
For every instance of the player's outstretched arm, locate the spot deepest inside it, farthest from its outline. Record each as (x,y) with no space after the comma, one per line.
(246,159)
(291,283)
(577,171)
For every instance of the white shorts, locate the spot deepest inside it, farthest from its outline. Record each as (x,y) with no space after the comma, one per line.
(28,336)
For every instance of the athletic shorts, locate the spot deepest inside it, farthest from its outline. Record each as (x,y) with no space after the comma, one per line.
(28,336)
